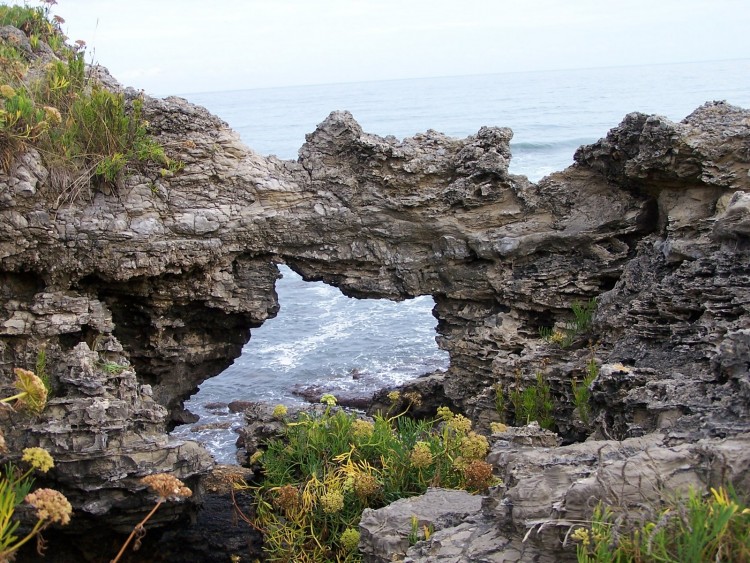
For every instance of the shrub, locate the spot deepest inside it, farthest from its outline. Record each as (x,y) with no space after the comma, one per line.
(528,402)
(684,530)
(328,467)
(80,128)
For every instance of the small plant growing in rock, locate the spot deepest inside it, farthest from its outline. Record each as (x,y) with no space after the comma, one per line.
(684,530)
(51,506)
(330,466)
(87,135)
(416,535)
(581,393)
(32,393)
(583,315)
(529,402)
(167,487)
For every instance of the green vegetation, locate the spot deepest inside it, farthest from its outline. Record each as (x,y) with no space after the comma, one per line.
(328,467)
(87,135)
(685,530)
(416,535)
(528,402)
(16,485)
(41,367)
(581,393)
(112,368)
(583,314)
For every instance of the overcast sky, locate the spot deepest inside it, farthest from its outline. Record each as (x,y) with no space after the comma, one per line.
(171,47)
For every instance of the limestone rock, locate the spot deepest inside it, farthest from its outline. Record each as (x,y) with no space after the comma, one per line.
(385,532)
(177,269)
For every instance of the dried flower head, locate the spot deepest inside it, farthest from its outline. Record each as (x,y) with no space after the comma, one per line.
(7,91)
(166,486)
(362,429)
(52,114)
(287,498)
(328,399)
(332,502)
(459,424)
(38,458)
(33,392)
(414,398)
(51,506)
(421,456)
(474,446)
(349,540)
(279,411)
(478,475)
(366,485)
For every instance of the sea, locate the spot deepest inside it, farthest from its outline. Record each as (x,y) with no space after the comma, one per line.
(323,340)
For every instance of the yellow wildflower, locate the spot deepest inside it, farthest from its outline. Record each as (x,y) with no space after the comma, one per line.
(7,91)
(349,540)
(328,399)
(279,411)
(445,413)
(474,446)
(498,427)
(51,505)
(362,429)
(421,456)
(332,502)
(459,424)
(38,458)
(33,393)
(394,396)
(557,337)
(581,535)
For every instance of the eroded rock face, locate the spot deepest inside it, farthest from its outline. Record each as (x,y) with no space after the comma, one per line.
(176,269)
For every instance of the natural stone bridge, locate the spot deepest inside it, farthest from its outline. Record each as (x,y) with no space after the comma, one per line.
(172,273)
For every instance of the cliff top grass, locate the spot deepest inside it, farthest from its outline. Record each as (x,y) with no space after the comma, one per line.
(50,100)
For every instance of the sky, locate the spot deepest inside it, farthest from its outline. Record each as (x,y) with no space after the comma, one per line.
(188,46)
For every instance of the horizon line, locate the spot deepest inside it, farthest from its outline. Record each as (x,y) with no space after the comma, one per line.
(435,77)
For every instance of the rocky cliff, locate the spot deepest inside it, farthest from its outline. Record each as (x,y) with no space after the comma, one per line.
(166,276)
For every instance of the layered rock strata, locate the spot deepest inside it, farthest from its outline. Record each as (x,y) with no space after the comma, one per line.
(170,272)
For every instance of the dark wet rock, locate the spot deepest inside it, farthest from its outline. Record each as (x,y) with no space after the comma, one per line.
(239,406)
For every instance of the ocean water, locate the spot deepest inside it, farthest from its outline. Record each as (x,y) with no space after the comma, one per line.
(323,338)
